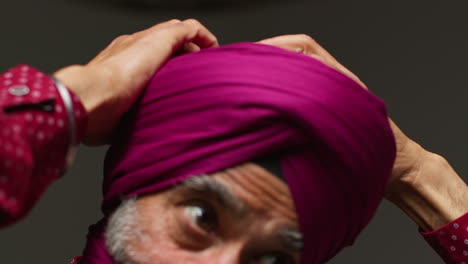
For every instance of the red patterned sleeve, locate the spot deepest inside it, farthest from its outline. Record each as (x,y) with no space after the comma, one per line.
(451,241)
(35,137)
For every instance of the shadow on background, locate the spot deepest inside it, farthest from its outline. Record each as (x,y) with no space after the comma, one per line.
(410,53)
(186,5)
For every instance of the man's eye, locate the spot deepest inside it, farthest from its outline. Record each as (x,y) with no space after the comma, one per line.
(275,258)
(202,214)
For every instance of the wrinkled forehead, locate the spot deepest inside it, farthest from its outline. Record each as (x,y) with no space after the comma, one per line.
(265,194)
(249,194)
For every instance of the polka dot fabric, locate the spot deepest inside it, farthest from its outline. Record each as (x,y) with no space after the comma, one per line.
(34,142)
(451,241)
(34,138)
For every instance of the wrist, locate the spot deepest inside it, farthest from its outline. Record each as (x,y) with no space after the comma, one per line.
(430,192)
(72,78)
(87,83)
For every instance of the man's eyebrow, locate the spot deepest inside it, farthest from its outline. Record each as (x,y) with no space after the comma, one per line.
(211,187)
(291,239)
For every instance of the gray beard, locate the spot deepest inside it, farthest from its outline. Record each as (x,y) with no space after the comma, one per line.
(122,231)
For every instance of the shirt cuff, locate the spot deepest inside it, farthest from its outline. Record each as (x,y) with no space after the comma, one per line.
(35,137)
(77,118)
(450,241)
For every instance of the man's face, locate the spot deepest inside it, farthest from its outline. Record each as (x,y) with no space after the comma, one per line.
(241,215)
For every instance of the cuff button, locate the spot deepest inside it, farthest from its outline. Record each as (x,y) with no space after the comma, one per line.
(19,90)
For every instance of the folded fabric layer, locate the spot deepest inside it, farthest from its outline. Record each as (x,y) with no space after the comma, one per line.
(207,111)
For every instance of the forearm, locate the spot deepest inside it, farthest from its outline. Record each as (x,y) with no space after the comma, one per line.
(432,194)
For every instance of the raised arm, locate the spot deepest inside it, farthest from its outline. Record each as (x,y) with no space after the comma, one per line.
(42,119)
(431,193)
(423,184)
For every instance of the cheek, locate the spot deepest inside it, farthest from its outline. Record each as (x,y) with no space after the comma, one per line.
(161,235)
(156,245)
(162,253)
(163,250)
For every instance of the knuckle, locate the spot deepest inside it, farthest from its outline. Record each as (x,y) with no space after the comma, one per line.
(115,41)
(192,21)
(439,159)
(306,38)
(174,21)
(121,38)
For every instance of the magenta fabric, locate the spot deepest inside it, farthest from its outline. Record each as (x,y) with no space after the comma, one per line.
(207,111)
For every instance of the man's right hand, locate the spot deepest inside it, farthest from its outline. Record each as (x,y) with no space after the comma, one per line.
(111,82)
(422,184)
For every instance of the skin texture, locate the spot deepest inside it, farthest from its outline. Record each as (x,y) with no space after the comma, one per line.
(111,82)
(422,184)
(427,188)
(176,231)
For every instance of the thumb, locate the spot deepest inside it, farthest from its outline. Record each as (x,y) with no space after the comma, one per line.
(294,43)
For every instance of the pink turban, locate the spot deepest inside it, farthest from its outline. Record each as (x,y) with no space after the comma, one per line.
(220,107)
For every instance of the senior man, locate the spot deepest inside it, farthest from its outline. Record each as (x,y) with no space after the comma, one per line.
(244,214)
(216,112)
(209,111)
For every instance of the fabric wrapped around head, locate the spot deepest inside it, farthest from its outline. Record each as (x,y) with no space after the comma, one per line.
(207,111)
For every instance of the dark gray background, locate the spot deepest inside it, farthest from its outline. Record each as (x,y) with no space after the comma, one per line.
(411,53)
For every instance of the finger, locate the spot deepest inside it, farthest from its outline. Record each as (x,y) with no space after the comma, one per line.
(170,22)
(203,37)
(176,34)
(287,42)
(304,44)
(297,43)
(160,26)
(190,47)
(191,30)
(315,48)
(294,43)
(156,27)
